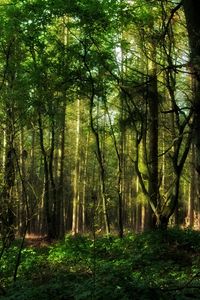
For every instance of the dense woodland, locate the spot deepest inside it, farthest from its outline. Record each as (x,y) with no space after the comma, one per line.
(99,116)
(100,140)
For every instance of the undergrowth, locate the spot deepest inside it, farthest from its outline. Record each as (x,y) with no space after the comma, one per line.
(151,265)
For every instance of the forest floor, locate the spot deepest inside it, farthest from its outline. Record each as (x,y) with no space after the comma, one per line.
(151,265)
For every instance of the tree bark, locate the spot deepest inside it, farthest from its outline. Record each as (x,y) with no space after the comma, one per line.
(76,196)
(153,189)
(191,9)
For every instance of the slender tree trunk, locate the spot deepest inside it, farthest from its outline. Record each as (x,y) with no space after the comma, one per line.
(121,174)
(23,155)
(35,188)
(61,222)
(152,98)
(76,200)
(47,206)
(85,183)
(193,191)
(101,167)
(120,159)
(52,185)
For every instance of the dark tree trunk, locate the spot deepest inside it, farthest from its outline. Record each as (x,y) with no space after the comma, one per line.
(192,9)
(153,189)
(47,206)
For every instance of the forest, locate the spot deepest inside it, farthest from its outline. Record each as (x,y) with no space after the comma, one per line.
(99,149)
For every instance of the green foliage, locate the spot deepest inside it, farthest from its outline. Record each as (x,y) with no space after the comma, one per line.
(152,265)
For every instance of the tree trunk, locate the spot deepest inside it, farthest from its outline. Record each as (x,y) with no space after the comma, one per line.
(52,185)
(192,190)
(60,191)
(76,197)
(153,188)
(101,168)
(192,9)
(84,196)
(7,205)
(47,206)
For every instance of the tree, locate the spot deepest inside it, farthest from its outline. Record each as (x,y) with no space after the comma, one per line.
(191,9)
(98,113)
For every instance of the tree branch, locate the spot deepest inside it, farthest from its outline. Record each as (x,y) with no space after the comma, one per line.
(173,11)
